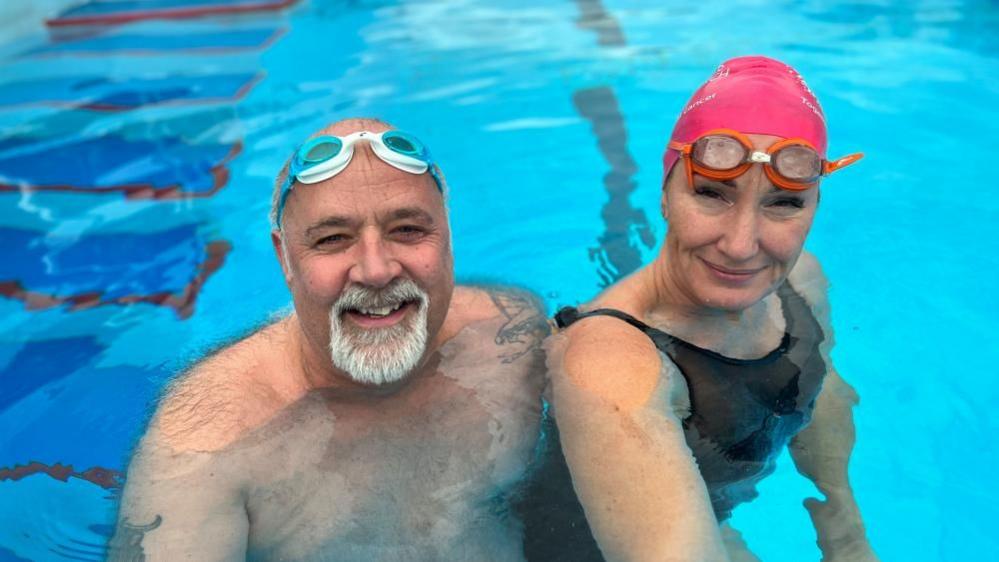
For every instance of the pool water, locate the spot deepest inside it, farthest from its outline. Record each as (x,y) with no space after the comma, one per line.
(136,165)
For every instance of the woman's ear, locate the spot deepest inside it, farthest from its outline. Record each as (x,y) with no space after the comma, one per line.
(664,200)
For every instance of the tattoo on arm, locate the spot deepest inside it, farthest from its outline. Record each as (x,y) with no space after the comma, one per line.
(127,543)
(524,324)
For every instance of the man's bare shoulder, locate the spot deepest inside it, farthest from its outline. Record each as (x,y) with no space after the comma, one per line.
(223,396)
(503,322)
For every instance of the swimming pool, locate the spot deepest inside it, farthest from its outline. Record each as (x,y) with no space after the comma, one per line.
(149,150)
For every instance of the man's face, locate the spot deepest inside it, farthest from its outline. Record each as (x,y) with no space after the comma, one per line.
(368,261)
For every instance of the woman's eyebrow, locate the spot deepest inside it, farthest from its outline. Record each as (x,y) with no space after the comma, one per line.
(726,183)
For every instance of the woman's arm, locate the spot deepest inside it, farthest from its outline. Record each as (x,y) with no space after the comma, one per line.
(631,468)
(822,450)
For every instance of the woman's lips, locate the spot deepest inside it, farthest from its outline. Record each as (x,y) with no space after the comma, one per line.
(369,322)
(733,276)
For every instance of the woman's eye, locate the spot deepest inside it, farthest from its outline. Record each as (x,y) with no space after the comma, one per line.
(788,203)
(708,193)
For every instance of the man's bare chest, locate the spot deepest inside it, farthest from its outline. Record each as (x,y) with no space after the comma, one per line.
(407,472)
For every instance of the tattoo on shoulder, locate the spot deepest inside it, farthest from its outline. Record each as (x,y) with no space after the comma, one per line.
(127,543)
(524,324)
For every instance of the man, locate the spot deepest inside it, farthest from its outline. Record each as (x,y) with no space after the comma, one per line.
(387,418)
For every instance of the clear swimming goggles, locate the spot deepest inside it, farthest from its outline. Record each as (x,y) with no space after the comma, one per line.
(724,154)
(323,157)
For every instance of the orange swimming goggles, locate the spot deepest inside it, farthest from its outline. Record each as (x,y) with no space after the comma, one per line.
(724,154)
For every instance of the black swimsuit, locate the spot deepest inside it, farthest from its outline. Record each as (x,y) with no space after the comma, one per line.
(743,412)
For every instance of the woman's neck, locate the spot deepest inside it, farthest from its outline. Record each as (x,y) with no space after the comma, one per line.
(655,295)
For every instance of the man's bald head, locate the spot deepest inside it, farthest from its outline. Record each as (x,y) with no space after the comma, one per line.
(340,128)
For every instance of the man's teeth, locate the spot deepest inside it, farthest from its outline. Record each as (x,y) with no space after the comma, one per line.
(383,311)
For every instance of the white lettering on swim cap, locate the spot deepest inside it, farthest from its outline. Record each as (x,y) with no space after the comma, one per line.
(698,103)
(814,109)
(720,72)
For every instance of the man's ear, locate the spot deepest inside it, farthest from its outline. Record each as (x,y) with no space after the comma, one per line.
(279,252)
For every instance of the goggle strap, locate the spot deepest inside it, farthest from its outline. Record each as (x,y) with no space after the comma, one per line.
(831,166)
(682,148)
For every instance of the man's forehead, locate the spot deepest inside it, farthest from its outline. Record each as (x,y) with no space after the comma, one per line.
(348,126)
(358,203)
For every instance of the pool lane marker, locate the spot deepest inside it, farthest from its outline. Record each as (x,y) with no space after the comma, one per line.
(617,255)
(99,93)
(181,299)
(106,478)
(216,176)
(136,45)
(77,15)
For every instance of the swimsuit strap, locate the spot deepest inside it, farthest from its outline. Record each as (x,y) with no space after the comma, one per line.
(570,315)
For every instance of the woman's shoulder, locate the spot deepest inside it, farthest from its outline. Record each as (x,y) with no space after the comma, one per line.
(607,357)
(809,280)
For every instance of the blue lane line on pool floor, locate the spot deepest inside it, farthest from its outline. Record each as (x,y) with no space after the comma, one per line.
(99,93)
(616,254)
(110,12)
(165,268)
(165,168)
(214,41)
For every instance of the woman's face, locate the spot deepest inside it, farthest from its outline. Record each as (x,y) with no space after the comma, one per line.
(732,242)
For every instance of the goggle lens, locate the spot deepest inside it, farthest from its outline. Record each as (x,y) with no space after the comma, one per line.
(403,144)
(719,152)
(798,163)
(322,150)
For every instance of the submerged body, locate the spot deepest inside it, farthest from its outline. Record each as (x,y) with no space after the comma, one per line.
(691,375)
(739,414)
(421,474)
(387,419)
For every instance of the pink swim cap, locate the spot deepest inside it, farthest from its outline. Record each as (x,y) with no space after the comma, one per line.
(752,95)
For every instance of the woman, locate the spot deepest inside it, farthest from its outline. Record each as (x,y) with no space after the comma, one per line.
(715,355)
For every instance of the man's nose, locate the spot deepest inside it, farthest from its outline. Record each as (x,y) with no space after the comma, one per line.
(375,266)
(740,241)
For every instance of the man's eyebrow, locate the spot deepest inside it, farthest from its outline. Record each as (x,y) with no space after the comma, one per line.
(413,213)
(328,222)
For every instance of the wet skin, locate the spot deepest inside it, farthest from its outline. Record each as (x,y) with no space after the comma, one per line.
(728,246)
(267,451)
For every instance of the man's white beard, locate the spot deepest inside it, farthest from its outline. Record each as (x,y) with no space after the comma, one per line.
(379,355)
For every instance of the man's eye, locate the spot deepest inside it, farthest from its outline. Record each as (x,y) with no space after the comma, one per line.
(408,231)
(331,239)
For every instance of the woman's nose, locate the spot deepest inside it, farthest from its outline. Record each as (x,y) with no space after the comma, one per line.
(740,241)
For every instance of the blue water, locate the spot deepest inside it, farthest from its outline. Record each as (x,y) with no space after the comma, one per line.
(549,121)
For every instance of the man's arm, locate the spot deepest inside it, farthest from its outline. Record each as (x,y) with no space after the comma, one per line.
(182,498)
(179,507)
(632,470)
(821,451)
